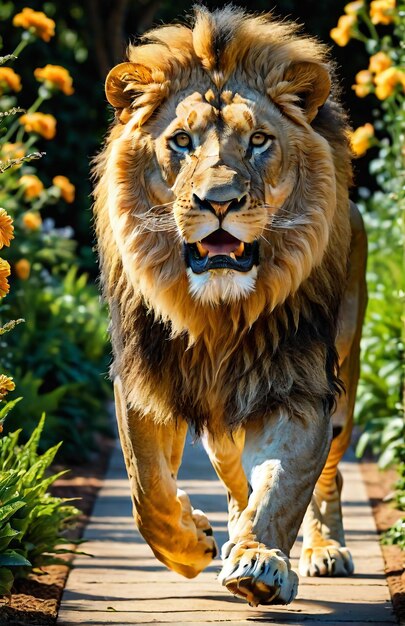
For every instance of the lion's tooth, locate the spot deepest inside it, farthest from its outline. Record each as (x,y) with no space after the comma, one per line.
(240,249)
(202,251)
(232,255)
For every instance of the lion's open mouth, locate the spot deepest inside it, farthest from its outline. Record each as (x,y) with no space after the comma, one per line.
(221,250)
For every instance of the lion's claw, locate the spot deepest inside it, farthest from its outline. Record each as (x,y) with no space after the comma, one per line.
(326,561)
(259,575)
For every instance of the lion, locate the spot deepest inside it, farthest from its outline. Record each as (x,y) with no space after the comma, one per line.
(233,265)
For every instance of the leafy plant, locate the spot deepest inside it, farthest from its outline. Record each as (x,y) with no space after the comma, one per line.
(32,522)
(380,406)
(57,358)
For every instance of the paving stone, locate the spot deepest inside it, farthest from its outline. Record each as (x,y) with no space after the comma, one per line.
(124,584)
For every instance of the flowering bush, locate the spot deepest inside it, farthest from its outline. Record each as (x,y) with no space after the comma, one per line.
(57,356)
(381,26)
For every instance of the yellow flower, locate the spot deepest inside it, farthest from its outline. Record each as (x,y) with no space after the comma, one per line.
(36,22)
(354,7)
(379,62)
(32,220)
(22,268)
(364,83)
(344,30)
(13,150)
(6,228)
(4,272)
(41,123)
(57,76)
(32,186)
(9,80)
(386,82)
(382,11)
(360,139)
(66,187)
(6,384)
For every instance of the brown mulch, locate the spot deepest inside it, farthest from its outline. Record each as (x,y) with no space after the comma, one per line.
(36,601)
(379,485)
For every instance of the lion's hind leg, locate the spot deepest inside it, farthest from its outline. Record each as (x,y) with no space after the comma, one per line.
(179,536)
(324,551)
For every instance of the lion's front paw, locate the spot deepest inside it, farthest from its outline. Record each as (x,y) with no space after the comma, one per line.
(258,574)
(326,561)
(203,525)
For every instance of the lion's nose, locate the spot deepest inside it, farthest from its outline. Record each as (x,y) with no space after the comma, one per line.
(219,207)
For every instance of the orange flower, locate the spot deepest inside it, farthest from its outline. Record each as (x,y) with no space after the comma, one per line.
(382,11)
(55,75)
(6,384)
(364,83)
(40,123)
(344,30)
(386,82)
(6,228)
(66,187)
(32,220)
(9,80)
(36,22)
(361,138)
(379,62)
(22,269)
(32,186)
(13,150)
(4,272)
(354,7)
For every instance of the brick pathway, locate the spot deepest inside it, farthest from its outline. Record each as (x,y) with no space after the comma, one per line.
(124,584)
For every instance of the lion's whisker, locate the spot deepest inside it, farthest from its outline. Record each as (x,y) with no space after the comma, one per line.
(154,207)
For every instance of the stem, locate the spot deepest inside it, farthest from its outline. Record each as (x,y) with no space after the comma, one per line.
(10,131)
(23,44)
(30,142)
(20,134)
(372,29)
(36,104)
(358,35)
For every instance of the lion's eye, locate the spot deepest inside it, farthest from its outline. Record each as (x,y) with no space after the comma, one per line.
(181,142)
(259,140)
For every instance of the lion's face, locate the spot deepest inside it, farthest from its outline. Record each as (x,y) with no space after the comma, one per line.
(220,188)
(226,165)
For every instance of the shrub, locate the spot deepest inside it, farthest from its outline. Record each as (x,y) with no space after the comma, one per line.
(32,522)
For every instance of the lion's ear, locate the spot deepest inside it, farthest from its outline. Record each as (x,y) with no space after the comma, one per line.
(123,83)
(311,82)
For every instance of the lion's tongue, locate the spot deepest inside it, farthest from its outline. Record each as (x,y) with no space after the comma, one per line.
(220,242)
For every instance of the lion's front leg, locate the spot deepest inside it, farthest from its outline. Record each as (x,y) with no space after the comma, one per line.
(179,536)
(283,457)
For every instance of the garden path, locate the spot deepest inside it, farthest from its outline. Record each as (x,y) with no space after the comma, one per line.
(124,584)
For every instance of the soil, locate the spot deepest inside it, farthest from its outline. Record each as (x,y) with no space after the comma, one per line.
(36,601)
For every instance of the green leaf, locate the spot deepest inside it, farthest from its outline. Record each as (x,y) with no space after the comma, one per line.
(11,558)
(6,581)
(7,510)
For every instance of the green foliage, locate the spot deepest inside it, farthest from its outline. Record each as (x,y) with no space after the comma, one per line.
(58,360)
(59,356)
(380,406)
(32,522)
(395,535)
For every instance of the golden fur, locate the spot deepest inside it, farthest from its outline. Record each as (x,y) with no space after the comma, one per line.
(221,351)
(303,266)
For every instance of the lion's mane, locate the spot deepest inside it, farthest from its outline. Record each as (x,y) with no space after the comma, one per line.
(228,363)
